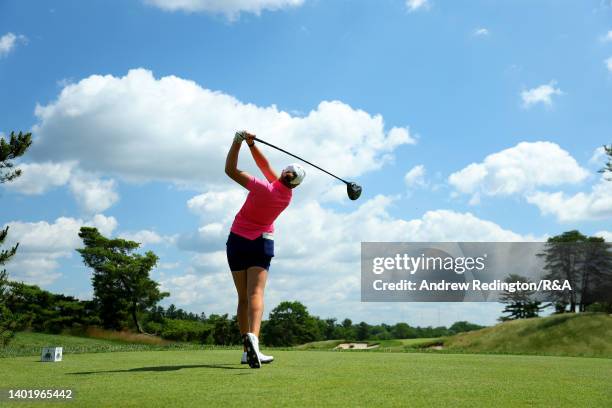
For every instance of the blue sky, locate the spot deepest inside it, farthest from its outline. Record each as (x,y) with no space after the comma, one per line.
(471,121)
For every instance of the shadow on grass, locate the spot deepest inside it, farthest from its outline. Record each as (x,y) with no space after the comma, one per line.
(163,368)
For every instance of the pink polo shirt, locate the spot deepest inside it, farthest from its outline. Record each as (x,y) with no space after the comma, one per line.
(263,205)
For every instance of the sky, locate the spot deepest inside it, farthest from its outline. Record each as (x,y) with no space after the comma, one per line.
(463,121)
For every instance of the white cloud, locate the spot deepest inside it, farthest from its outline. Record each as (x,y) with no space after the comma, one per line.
(578,207)
(599,157)
(607,235)
(42,244)
(93,194)
(519,169)
(147,237)
(414,5)
(542,94)
(8,42)
(184,132)
(37,178)
(481,32)
(328,280)
(607,37)
(214,204)
(415,177)
(608,63)
(230,8)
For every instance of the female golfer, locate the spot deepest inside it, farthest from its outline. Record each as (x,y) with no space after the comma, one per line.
(250,245)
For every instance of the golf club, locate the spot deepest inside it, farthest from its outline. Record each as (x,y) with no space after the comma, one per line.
(352,189)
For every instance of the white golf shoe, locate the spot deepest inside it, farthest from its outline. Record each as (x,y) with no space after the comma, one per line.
(251,344)
(262,358)
(253,356)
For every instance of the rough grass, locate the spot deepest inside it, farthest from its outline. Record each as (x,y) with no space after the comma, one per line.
(30,344)
(583,334)
(124,336)
(310,379)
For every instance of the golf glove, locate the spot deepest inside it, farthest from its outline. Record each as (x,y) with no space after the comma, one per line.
(239,136)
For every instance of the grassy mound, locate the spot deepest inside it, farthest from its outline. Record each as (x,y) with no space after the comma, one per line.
(581,334)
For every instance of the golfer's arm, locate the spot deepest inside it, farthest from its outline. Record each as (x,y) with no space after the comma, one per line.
(231,166)
(263,164)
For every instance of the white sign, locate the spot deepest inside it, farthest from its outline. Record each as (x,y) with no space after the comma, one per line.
(52,354)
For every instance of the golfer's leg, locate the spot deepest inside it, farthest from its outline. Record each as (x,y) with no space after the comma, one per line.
(240,281)
(256,283)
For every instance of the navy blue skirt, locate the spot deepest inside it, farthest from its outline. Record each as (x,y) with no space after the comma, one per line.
(242,253)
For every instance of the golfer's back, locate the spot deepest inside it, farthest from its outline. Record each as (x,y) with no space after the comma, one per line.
(263,205)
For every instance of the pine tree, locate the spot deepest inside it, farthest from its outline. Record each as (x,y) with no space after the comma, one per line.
(122,286)
(16,147)
(608,168)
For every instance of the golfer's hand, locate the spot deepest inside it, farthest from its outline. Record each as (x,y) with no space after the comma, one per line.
(240,136)
(250,138)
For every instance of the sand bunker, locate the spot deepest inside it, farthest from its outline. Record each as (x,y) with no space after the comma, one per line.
(355,346)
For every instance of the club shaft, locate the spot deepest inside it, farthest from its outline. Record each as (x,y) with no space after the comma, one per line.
(299,158)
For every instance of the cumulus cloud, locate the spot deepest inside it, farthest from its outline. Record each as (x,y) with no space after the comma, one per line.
(608,63)
(38,178)
(93,194)
(599,157)
(141,128)
(607,37)
(542,94)
(606,235)
(414,5)
(230,8)
(147,237)
(519,169)
(594,205)
(415,177)
(8,42)
(43,244)
(330,277)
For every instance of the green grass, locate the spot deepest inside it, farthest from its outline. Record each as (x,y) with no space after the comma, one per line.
(583,334)
(309,378)
(30,344)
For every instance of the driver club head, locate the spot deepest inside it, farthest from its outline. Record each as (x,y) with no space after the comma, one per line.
(353,190)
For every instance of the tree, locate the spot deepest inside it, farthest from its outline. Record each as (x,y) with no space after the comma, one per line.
(463,326)
(562,262)
(363,331)
(520,303)
(121,282)
(16,147)
(596,274)
(403,331)
(8,321)
(348,331)
(290,324)
(608,168)
(584,262)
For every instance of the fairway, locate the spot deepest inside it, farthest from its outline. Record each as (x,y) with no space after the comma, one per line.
(313,378)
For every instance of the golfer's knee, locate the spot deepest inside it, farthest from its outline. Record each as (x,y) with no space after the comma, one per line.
(256,295)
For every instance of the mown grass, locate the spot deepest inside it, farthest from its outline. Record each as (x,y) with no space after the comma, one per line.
(583,334)
(215,378)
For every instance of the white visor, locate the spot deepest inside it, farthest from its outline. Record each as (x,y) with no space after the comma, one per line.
(299,171)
